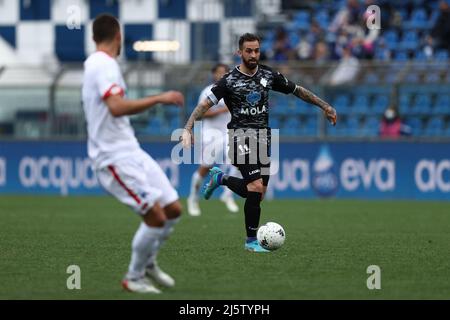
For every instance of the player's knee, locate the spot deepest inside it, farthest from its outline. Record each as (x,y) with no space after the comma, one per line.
(173,210)
(155,216)
(255,186)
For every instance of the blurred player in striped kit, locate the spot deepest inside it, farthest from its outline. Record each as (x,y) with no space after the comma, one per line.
(215,119)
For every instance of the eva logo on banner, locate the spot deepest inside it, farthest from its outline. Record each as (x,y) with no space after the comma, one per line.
(378,173)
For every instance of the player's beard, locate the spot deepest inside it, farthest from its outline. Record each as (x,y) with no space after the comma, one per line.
(251,64)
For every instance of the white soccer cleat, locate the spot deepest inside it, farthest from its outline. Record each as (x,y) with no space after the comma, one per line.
(230,203)
(193,207)
(142,285)
(159,276)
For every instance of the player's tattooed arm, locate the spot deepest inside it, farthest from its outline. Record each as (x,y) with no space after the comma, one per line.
(310,97)
(199,111)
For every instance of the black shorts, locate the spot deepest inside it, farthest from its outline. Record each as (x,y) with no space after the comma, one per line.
(251,155)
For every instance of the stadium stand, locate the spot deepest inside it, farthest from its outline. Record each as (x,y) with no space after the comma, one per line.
(402,65)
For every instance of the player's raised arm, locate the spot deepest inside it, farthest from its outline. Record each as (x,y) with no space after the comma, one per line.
(310,97)
(198,112)
(119,106)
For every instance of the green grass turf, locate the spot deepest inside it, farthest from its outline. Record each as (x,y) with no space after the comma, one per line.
(328,248)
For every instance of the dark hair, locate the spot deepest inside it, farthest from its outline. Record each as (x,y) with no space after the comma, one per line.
(248,37)
(105,28)
(220,65)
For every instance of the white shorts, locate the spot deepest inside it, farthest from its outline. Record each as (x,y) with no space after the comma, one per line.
(214,147)
(138,182)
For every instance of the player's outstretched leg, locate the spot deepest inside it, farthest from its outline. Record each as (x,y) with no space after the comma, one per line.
(227,194)
(145,243)
(196,181)
(252,210)
(215,177)
(153,271)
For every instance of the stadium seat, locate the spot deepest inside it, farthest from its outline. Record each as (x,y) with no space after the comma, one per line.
(434,127)
(341,103)
(322,18)
(291,127)
(391,39)
(432,77)
(275,122)
(360,104)
(371,127)
(353,126)
(301,20)
(421,105)
(441,55)
(310,126)
(416,125)
(412,77)
(302,107)
(410,41)
(441,105)
(418,20)
(404,103)
(380,104)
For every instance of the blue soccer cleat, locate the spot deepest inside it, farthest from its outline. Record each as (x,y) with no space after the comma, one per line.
(254,246)
(215,174)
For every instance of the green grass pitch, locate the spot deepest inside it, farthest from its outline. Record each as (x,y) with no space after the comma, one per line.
(329,245)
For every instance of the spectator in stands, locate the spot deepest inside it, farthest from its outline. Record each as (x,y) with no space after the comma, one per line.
(308,41)
(346,16)
(282,49)
(391,125)
(321,53)
(304,49)
(347,69)
(440,32)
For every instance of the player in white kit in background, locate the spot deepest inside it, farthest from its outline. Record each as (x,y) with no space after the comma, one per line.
(122,167)
(216,118)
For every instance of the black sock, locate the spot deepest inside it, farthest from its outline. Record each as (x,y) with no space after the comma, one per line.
(252,211)
(236,185)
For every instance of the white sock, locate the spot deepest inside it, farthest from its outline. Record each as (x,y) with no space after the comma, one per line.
(145,243)
(234,172)
(167,230)
(196,181)
(227,193)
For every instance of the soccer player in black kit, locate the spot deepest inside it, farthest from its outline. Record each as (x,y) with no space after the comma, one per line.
(245,91)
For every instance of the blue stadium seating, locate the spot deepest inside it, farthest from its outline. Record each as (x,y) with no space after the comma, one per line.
(353,126)
(391,39)
(421,105)
(404,103)
(341,103)
(301,20)
(371,127)
(323,19)
(310,126)
(415,123)
(418,20)
(441,105)
(360,104)
(409,41)
(434,127)
(380,104)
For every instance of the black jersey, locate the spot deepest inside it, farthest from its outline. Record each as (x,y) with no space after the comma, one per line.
(247,96)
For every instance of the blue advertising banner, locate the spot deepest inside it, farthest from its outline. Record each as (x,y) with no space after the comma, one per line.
(366,170)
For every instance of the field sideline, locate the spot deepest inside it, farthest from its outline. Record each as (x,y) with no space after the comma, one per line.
(328,248)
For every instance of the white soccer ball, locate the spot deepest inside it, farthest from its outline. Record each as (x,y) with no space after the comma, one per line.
(271,236)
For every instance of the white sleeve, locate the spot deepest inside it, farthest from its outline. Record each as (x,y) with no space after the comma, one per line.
(204,94)
(107,81)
